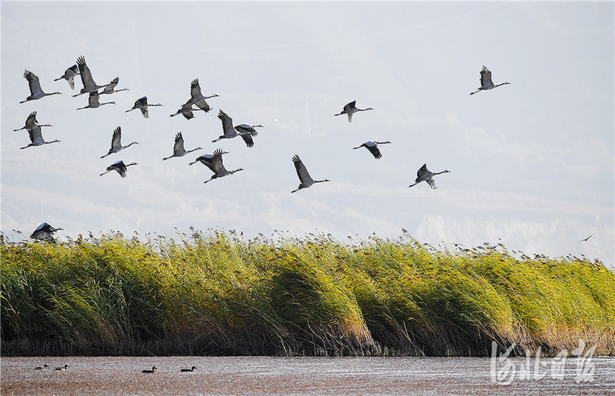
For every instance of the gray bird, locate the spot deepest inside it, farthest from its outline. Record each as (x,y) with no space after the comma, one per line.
(35,87)
(94,102)
(36,137)
(89,85)
(118,166)
(44,232)
(142,105)
(485,81)
(69,75)
(350,109)
(304,177)
(178,147)
(197,98)
(372,146)
(230,132)
(425,175)
(116,142)
(31,122)
(214,162)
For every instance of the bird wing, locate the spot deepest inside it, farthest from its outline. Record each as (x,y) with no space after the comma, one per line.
(422,171)
(84,71)
(35,134)
(203,105)
(374,150)
(179,144)
(31,120)
(350,105)
(485,77)
(248,139)
(195,89)
(227,124)
(93,99)
(33,82)
(116,140)
(302,171)
(216,162)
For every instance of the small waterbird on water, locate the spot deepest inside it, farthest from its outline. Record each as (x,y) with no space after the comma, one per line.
(63,367)
(44,367)
(188,369)
(153,370)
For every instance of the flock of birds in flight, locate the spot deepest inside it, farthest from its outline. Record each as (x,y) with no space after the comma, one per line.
(196,102)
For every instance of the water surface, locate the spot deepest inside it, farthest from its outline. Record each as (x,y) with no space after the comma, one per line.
(302,376)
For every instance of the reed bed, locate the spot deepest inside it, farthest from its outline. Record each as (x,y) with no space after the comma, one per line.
(214,293)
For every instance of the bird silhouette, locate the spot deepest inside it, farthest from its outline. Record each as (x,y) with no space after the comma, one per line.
(586,239)
(94,102)
(86,78)
(423,174)
(110,88)
(197,98)
(31,122)
(44,232)
(188,369)
(69,75)
(44,367)
(153,370)
(230,132)
(351,108)
(116,142)
(304,177)
(142,105)
(36,137)
(372,146)
(247,128)
(186,110)
(35,87)
(214,162)
(63,367)
(118,166)
(178,148)
(485,81)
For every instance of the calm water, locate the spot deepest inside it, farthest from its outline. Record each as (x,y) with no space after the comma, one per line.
(297,376)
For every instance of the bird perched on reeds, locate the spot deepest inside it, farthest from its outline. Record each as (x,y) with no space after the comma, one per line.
(372,146)
(31,122)
(214,162)
(304,177)
(35,87)
(423,174)
(44,232)
(118,166)
(94,102)
(142,105)
(230,132)
(350,109)
(188,369)
(197,98)
(69,75)
(485,81)
(116,142)
(36,137)
(178,147)
(89,85)
(153,370)
(110,88)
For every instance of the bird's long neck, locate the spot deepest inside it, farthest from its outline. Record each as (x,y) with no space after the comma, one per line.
(53,141)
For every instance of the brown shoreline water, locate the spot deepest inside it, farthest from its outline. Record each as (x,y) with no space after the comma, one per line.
(296,375)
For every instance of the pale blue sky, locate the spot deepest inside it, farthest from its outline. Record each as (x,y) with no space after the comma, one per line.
(531,163)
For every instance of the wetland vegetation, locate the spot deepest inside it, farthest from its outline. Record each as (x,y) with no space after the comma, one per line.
(215,293)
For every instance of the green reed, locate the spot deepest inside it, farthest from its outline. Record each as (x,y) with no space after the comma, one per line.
(215,293)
